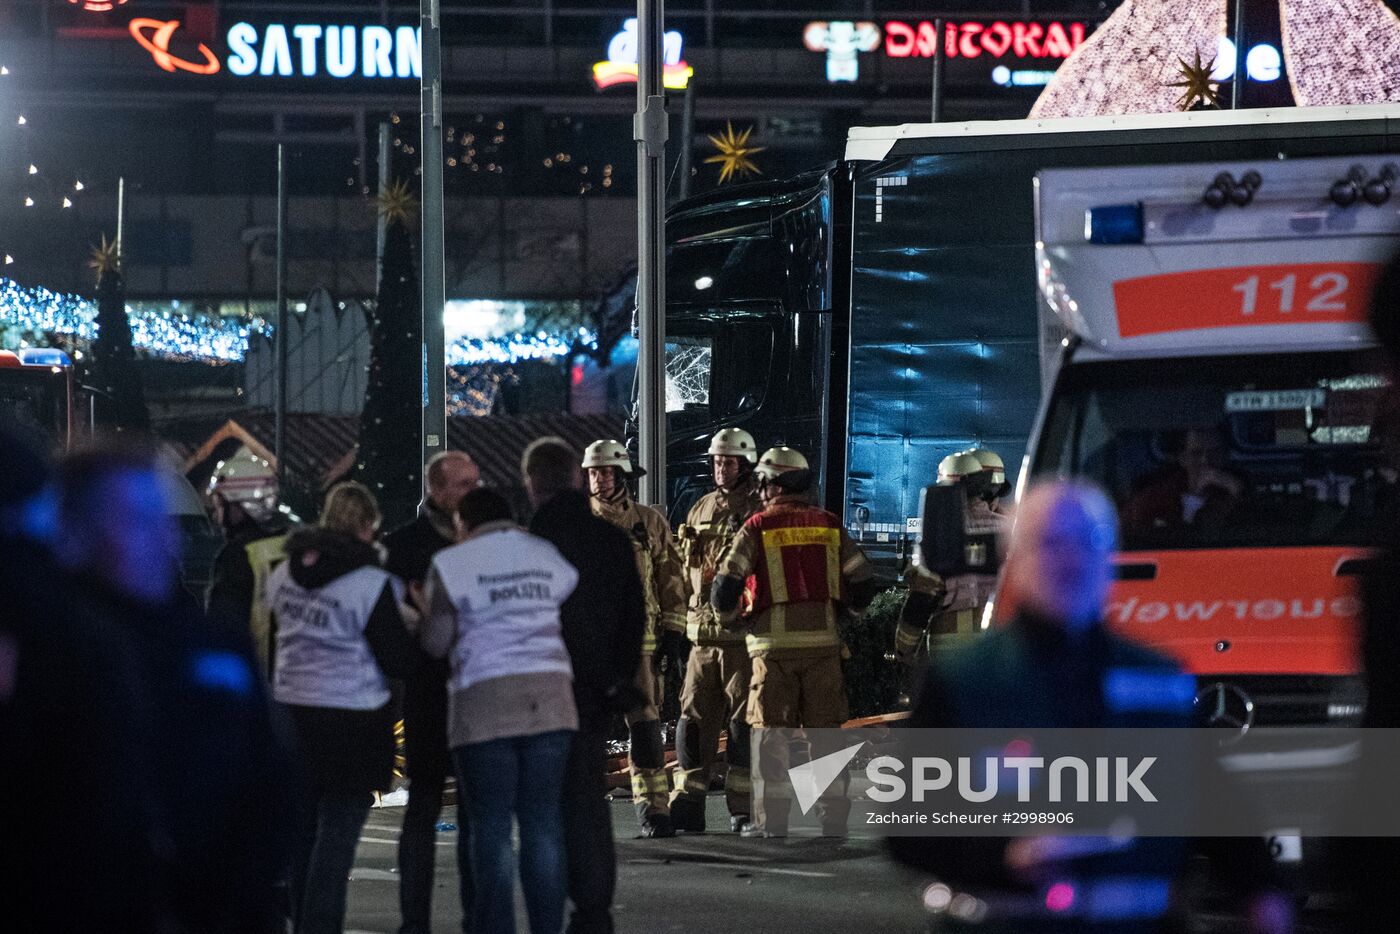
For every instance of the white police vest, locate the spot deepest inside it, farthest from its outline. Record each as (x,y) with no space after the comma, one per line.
(323,659)
(506,586)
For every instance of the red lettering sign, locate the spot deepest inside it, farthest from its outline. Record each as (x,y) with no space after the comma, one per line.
(998,39)
(1301,293)
(1025,37)
(968,46)
(899,40)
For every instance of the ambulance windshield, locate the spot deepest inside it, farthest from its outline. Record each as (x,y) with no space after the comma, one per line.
(1252,451)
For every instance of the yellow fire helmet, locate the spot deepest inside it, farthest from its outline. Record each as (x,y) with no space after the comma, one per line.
(607,453)
(733,442)
(957,467)
(991,463)
(777,461)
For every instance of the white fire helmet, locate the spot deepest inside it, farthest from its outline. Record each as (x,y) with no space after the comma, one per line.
(957,467)
(778,461)
(247,480)
(992,465)
(733,442)
(607,453)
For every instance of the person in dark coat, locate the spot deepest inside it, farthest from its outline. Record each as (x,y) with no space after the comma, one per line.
(1053,667)
(1365,866)
(603,623)
(340,638)
(212,759)
(451,475)
(87,843)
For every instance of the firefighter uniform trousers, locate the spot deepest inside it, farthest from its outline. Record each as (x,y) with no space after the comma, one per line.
(658,565)
(713,698)
(716,686)
(798,563)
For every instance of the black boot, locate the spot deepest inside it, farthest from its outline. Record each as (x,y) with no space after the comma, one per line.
(688,815)
(657,826)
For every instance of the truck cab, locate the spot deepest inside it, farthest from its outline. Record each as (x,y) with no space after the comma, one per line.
(749,292)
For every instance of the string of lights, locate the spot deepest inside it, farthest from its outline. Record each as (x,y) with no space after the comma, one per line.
(36,189)
(27,314)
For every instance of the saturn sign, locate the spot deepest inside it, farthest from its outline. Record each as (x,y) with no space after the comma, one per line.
(301,50)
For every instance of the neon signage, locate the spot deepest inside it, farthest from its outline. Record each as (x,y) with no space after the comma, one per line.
(370,51)
(1262,63)
(995,40)
(301,50)
(154,36)
(97,6)
(621,64)
(842,41)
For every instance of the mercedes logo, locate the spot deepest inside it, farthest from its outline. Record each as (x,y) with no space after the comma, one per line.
(1226,706)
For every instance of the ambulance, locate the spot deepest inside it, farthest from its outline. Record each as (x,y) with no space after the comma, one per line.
(1216,377)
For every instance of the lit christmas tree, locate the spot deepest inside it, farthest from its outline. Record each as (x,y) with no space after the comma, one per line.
(122,404)
(389,460)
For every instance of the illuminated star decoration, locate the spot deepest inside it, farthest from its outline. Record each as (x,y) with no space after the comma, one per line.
(1197,84)
(105,258)
(397,204)
(734,152)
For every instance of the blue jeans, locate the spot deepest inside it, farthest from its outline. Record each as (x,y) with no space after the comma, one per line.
(520,778)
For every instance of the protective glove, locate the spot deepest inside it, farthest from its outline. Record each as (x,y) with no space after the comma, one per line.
(672,647)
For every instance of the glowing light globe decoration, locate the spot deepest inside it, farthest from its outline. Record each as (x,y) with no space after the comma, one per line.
(1336,52)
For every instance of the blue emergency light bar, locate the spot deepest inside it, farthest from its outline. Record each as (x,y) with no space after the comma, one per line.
(44,356)
(1114,224)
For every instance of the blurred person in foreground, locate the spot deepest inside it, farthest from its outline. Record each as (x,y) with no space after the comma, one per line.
(1050,668)
(603,623)
(494,604)
(213,764)
(86,841)
(340,637)
(451,475)
(1366,866)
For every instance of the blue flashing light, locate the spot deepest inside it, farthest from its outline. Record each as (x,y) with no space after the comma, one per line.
(44,356)
(1144,690)
(1114,224)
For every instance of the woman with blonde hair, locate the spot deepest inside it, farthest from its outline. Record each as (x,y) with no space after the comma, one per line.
(340,637)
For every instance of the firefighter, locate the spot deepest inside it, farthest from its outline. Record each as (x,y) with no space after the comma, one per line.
(717,672)
(995,487)
(954,606)
(255,535)
(801,571)
(608,466)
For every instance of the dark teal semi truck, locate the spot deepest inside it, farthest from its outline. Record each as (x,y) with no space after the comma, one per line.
(882,312)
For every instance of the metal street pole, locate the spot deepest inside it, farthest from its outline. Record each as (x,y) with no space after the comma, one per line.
(386,159)
(1237,83)
(121,213)
(649,129)
(687,140)
(434,250)
(940,59)
(283,336)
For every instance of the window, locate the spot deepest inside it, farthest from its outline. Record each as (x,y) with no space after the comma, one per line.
(1255,451)
(716,367)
